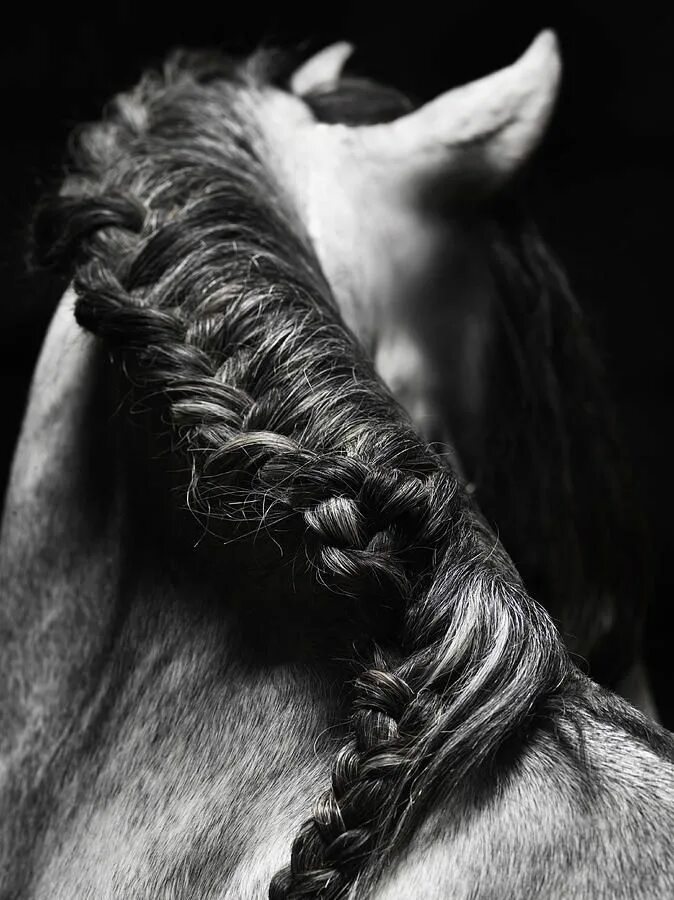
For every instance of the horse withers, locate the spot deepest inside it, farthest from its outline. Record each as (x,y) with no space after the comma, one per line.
(257,637)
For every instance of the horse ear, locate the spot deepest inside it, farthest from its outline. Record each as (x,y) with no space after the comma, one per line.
(486,129)
(323,69)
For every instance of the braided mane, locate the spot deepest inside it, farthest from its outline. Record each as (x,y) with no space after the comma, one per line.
(191,269)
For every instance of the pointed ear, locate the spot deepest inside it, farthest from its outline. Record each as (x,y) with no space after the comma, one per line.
(324,69)
(486,129)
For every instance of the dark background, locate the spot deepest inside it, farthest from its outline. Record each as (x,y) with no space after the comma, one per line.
(600,186)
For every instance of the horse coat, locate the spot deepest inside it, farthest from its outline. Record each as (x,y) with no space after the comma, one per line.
(257,639)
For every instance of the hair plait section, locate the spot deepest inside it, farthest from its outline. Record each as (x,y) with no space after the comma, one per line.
(370,530)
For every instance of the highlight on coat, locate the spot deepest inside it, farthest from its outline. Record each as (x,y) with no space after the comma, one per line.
(260,638)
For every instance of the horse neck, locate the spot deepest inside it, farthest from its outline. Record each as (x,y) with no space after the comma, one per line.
(119,648)
(58,570)
(56,551)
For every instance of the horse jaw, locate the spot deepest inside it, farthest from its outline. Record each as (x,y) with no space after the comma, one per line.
(409,280)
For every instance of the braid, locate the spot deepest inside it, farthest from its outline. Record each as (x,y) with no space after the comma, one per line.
(199,282)
(371,528)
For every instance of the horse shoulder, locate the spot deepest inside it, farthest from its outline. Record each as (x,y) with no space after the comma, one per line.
(586,811)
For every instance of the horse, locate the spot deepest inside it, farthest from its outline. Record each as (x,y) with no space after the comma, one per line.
(259,639)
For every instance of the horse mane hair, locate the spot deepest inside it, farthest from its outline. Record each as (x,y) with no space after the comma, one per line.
(551,470)
(192,269)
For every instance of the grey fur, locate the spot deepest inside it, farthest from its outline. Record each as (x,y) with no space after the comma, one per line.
(174,696)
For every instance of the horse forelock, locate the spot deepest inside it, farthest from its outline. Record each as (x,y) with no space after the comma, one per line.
(195,270)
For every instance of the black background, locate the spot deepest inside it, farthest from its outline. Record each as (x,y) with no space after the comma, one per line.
(600,186)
